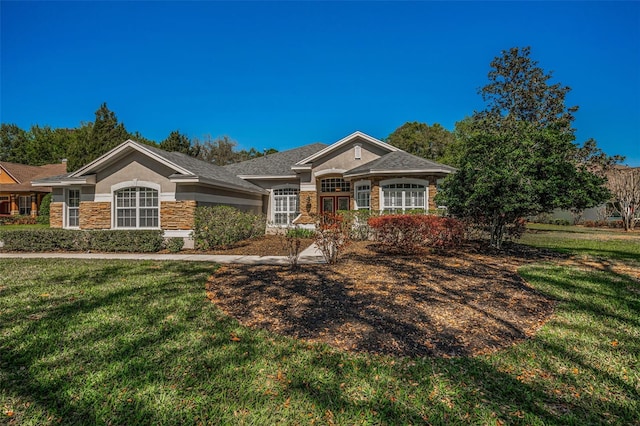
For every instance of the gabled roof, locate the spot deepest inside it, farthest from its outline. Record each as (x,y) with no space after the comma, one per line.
(187,169)
(346,140)
(23,174)
(399,162)
(274,165)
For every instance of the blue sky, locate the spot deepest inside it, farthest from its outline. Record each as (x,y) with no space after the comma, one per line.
(284,74)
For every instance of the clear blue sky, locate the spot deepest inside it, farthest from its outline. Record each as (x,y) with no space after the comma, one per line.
(286,74)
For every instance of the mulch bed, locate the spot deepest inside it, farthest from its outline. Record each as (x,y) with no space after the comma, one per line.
(268,245)
(461,303)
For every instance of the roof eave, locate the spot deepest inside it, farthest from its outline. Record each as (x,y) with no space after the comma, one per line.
(216,183)
(67,181)
(397,172)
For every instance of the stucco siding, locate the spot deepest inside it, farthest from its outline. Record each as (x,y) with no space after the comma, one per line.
(135,166)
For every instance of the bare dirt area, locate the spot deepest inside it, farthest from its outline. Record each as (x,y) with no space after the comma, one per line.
(461,303)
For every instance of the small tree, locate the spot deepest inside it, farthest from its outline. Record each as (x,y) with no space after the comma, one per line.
(332,236)
(624,184)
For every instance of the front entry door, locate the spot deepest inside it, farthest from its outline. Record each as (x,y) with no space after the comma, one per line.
(333,204)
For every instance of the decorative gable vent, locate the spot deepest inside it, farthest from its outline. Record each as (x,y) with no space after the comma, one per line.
(357,152)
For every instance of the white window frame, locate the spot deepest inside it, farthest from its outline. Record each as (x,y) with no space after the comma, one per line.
(137,208)
(288,196)
(357,152)
(69,208)
(362,187)
(403,206)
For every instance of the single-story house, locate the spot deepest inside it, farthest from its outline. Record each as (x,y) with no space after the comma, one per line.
(137,186)
(17,195)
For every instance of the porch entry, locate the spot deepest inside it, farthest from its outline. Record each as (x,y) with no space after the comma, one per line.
(331,204)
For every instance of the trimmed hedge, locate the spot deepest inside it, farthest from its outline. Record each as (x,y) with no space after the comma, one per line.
(410,232)
(220,226)
(37,240)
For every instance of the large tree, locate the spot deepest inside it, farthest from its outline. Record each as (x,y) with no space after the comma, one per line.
(518,157)
(420,139)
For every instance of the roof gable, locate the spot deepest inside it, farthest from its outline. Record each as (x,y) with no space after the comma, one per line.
(357,135)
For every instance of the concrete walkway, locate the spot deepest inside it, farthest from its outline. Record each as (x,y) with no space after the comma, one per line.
(310,255)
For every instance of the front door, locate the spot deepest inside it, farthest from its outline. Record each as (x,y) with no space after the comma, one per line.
(333,204)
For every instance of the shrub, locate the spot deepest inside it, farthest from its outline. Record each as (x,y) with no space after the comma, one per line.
(358,223)
(410,233)
(18,220)
(174,244)
(139,241)
(220,226)
(300,233)
(38,240)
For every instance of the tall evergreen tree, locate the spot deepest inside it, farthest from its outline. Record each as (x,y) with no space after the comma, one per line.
(97,138)
(177,142)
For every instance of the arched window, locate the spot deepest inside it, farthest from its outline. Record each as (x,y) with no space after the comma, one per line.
(137,207)
(286,205)
(398,197)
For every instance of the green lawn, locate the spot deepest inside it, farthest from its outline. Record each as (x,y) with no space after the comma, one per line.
(137,342)
(602,243)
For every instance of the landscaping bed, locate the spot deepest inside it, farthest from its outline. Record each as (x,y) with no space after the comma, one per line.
(432,304)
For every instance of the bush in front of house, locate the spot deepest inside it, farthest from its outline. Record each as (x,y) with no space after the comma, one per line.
(45,208)
(409,233)
(39,240)
(18,220)
(174,244)
(358,222)
(221,226)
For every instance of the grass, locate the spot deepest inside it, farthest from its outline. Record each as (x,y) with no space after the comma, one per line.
(136,342)
(35,226)
(600,243)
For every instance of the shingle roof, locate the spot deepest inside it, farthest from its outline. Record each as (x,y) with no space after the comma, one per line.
(400,161)
(23,174)
(278,164)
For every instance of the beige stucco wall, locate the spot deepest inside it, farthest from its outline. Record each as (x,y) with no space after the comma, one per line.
(344,157)
(135,166)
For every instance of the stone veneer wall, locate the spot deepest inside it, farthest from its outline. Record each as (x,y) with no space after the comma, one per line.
(177,215)
(55,215)
(307,217)
(433,190)
(95,215)
(375,195)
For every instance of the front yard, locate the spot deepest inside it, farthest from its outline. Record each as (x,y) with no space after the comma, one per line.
(139,342)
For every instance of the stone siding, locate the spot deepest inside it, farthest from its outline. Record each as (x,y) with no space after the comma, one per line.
(95,215)
(55,215)
(375,195)
(177,215)
(310,198)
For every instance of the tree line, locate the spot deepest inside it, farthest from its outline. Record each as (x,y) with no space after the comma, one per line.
(45,145)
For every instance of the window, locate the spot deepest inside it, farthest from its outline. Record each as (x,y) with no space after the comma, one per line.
(335,185)
(137,208)
(24,204)
(73,208)
(286,205)
(363,196)
(400,197)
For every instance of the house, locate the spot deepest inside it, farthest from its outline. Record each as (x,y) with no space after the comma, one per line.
(17,194)
(136,186)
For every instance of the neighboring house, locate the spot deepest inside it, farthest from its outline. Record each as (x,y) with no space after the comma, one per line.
(136,186)
(17,194)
